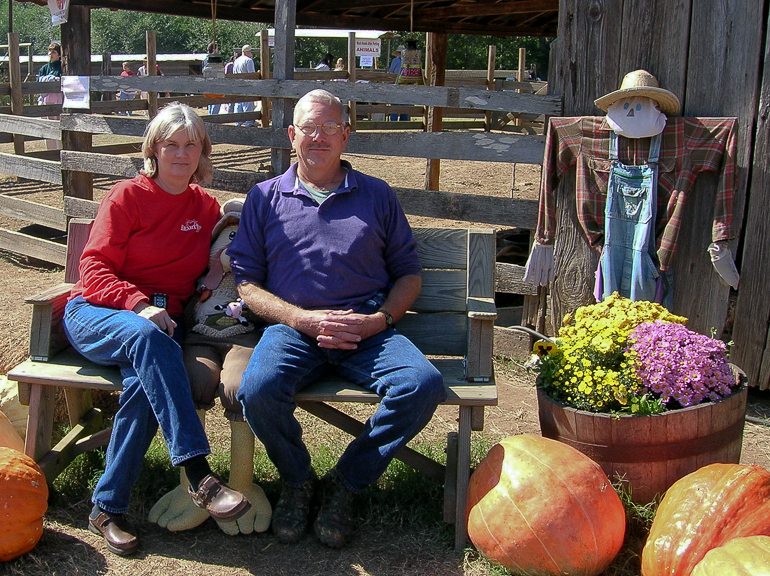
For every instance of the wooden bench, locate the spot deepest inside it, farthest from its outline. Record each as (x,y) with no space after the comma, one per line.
(451,322)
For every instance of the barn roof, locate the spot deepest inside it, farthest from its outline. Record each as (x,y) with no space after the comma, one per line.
(492,17)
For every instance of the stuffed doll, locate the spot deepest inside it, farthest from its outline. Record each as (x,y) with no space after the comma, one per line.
(221,337)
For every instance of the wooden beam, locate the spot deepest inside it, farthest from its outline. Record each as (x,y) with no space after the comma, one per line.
(27,245)
(33,212)
(447,97)
(14,76)
(76,61)
(31,168)
(436,72)
(487,9)
(152,97)
(283,70)
(41,128)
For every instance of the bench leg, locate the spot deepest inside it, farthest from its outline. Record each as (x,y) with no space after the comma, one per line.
(463,475)
(40,421)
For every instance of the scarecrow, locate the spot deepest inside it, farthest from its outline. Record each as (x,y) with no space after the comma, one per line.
(221,337)
(635,167)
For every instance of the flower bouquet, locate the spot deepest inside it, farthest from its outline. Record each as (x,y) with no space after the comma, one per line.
(634,357)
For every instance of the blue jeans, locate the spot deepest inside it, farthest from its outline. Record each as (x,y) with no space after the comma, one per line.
(399,117)
(244,107)
(155,391)
(214,109)
(285,361)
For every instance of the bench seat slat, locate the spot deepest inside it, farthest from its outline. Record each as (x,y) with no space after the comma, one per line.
(71,369)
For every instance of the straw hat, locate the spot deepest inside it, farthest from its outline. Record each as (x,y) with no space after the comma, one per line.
(641,83)
(399,51)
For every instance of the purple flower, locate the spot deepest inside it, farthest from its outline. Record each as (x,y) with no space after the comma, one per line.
(679,366)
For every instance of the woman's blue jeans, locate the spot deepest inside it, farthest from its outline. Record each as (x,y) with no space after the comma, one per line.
(285,361)
(156,390)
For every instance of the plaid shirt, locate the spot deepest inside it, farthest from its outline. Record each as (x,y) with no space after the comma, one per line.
(689,146)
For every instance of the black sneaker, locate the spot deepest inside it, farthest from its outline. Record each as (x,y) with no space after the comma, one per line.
(292,511)
(335,523)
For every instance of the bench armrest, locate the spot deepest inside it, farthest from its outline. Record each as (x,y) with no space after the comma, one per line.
(46,334)
(482,309)
(481,330)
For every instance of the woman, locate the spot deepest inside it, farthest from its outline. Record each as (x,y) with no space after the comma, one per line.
(51,72)
(149,243)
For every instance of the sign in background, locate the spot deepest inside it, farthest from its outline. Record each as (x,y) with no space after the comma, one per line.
(366,47)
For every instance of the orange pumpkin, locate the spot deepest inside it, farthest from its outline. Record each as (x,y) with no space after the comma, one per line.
(23,501)
(8,435)
(540,507)
(747,556)
(705,510)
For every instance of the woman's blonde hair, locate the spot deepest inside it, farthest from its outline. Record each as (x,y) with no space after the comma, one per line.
(169,120)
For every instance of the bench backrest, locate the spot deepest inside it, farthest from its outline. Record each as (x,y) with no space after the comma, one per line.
(458,263)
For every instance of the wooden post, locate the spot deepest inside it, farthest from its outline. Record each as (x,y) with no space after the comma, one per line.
(490,84)
(76,61)
(437,50)
(520,76)
(107,71)
(352,77)
(264,73)
(152,97)
(285,22)
(17,98)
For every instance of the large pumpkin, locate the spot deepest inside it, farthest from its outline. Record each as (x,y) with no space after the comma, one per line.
(704,510)
(747,556)
(23,501)
(540,507)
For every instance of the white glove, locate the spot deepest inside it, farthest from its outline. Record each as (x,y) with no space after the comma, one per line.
(540,265)
(723,263)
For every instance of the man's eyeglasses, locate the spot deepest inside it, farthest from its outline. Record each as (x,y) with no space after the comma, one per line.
(310,128)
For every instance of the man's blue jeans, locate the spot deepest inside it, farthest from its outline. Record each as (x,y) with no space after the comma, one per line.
(244,107)
(285,361)
(214,109)
(155,391)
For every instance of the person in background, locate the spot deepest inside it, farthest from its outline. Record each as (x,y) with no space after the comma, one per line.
(212,48)
(326,256)
(326,63)
(340,64)
(148,245)
(127,94)
(244,64)
(53,67)
(51,72)
(395,68)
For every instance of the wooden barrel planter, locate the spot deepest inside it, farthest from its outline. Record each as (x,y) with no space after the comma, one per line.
(653,451)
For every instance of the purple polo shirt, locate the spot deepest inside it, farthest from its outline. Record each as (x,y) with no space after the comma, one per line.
(333,256)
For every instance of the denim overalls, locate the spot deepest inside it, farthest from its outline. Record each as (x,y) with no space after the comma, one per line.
(627,263)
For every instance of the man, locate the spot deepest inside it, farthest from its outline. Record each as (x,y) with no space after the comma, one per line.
(244,64)
(395,68)
(326,256)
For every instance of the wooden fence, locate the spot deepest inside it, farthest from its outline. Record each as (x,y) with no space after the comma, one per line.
(499,212)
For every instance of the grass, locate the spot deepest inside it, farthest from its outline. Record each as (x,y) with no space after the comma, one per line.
(402,500)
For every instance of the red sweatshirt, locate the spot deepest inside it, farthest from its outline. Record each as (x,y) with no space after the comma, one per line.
(145,241)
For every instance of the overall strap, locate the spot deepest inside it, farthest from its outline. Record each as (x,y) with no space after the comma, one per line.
(613,145)
(654,149)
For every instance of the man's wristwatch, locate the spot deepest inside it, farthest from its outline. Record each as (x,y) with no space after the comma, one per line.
(388,318)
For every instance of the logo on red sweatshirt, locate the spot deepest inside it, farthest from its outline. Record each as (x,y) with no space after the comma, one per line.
(191,225)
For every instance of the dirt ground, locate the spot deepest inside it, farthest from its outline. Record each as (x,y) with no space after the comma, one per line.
(68,548)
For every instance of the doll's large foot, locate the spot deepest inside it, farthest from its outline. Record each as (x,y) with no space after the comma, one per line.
(257,519)
(176,511)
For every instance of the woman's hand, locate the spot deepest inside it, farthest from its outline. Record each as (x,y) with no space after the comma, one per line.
(158,316)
